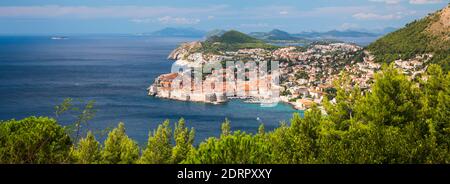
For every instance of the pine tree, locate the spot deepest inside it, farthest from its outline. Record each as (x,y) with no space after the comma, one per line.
(393,99)
(226,128)
(119,148)
(33,140)
(346,100)
(87,151)
(159,146)
(183,141)
(261,130)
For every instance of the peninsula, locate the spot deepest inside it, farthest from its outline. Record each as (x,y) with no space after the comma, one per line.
(305,77)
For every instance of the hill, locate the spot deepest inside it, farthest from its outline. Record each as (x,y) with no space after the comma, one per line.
(275,34)
(234,37)
(215,32)
(429,35)
(179,32)
(231,41)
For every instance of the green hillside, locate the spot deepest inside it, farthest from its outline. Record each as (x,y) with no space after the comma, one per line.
(231,41)
(234,37)
(275,34)
(427,35)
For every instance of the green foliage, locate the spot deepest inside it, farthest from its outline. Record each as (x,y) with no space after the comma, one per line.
(119,148)
(33,140)
(414,39)
(183,141)
(219,47)
(87,150)
(81,116)
(87,114)
(65,106)
(285,93)
(301,74)
(226,128)
(261,130)
(233,37)
(159,146)
(237,148)
(331,93)
(232,41)
(402,44)
(393,100)
(395,123)
(346,97)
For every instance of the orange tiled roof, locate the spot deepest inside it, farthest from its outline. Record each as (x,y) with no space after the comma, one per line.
(169,77)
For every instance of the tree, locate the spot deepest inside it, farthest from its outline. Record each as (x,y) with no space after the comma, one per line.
(435,101)
(159,146)
(226,128)
(237,148)
(87,150)
(393,99)
(346,98)
(81,119)
(261,130)
(119,148)
(33,140)
(87,114)
(434,113)
(183,141)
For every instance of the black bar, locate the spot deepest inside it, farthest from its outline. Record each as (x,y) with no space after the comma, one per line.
(170,173)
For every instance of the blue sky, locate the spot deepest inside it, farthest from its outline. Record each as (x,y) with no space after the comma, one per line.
(137,16)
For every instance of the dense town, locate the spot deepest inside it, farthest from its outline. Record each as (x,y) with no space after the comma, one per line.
(305,77)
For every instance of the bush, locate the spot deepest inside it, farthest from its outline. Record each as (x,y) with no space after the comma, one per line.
(33,140)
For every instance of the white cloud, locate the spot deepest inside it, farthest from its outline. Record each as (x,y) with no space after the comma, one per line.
(410,1)
(268,12)
(210,17)
(284,12)
(425,1)
(374,16)
(255,25)
(145,20)
(132,12)
(177,20)
(392,14)
(386,1)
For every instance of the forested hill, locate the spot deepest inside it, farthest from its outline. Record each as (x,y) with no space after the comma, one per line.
(429,35)
(232,41)
(234,37)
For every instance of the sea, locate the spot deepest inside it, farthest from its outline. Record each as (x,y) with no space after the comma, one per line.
(38,72)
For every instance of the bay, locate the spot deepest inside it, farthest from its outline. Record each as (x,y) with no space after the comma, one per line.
(37,73)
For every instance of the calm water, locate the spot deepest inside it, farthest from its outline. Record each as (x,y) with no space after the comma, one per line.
(37,73)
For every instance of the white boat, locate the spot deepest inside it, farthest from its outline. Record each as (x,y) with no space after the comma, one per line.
(59,38)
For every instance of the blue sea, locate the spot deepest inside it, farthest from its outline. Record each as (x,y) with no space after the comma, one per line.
(37,73)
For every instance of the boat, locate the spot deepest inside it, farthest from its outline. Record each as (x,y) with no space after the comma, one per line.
(59,38)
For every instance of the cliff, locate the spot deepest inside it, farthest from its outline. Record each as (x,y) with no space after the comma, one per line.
(184,50)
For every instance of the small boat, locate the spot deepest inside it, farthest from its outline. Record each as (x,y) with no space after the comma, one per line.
(59,38)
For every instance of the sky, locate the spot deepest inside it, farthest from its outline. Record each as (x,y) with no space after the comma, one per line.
(141,16)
